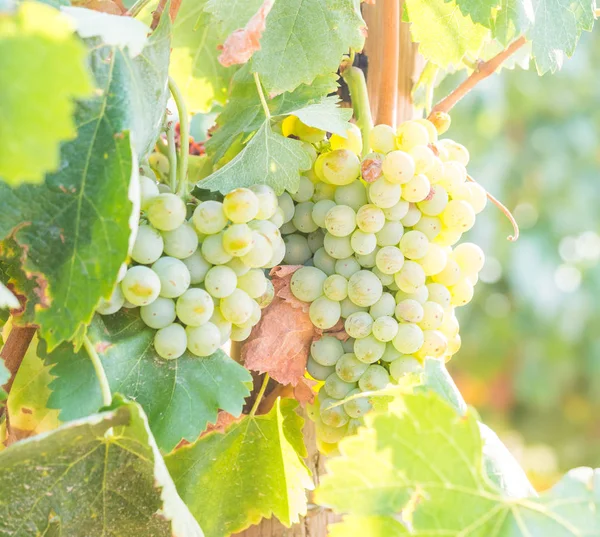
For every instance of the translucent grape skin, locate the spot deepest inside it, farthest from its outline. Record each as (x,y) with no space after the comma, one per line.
(195,307)
(297,251)
(174,276)
(166,212)
(141,286)
(203,340)
(238,239)
(170,342)
(213,251)
(336,388)
(113,304)
(349,368)
(197,266)
(148,246)
(326,351)
(340,221)
(253,282)
(332,414)
(181,242)
(220,281)
(335,287)
(237,307)
(318,371)
(241,205)
(364,288)
(159,314)
(358,407)
(340,167)
(324,313)
(374,378)
(307,283)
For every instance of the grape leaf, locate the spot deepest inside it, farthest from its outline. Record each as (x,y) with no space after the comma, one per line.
(268,158)
(480,11)
(194,64)
(89,480)
(326,115)
(512,19)
(180,397)
(232,14)
(254,470)
(388,474)
(42,70)
(443,33)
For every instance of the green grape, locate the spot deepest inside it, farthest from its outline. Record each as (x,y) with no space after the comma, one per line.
(318,371)
(277,219)
(384,194)
(423,157)
(396,212)
(349,307)
(203,340)
(159,163)
(307,283)
(358,324)
(327,350)
(385,279)
(347,267)
(166,212)
(209,218)
(349,368)
(261,253)
(409,338)
(370,218)
(434,261)
(240,333)
(439,293)
(320,210)
(180,242)
(194,307)
(363,243)
(430,226)
(398,167)
(386,305)
(412,217)
(254,283)
(409,311)
(333,416)
(238,266)
(174,276)
(417,189)
(458,215)
(435,203)
(390,234)
(254,318)
(391,353)
(159,314)
(369,349)
(220,281)
(222,324)
(477,197)
(316,239)
(267,201)
(461,292)
(297,251)
(324,313)
(353,195)
(352,141)
(449,275)
(148,191)
(358,407)
(364,288)
(340,167)
(238,239)
(278,255)
(469,257)
(385,328)
(148,246)
(337,247)
(141,285)
(433,316)
(268,229)
(267,297)
(303,218)
(454,345)
(405,365)
(164,189)
(420,294)
(410,134)
(348,345)
(340,221)
(241,205)
(436,172)
(322,260)
(368,260)
(389,260)
(431,129)
(448,236)
(330,435)
(455,151)
(288,229)
(237,308)
(335,287)
(170,342)
(434,344)
(374,378)
(410,277)
(307,133)
(382,138)
(414,244)
(113,304)
(336,388)
(213,251)
(286,204)
(323,191)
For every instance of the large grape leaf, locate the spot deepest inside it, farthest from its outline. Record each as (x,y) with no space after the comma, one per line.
(232,14)
(423,464)
(268,158)
(480,11)
(252,471)
(42,70)
(99,476)
(180,397)
(512,19)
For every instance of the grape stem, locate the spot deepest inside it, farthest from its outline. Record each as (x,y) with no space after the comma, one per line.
(172,154)
(261,94)
(505,210)
(482,71)
(99,369)
(260,394)
(184,138)
(355,79)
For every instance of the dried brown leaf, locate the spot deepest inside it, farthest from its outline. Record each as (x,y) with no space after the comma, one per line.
(304,392)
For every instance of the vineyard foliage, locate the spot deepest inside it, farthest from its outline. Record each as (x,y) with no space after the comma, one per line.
(102,433)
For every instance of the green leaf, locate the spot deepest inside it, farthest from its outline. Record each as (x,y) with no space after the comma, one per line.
(180,397)
(439,380)
(194,65)
(311,36)
(93,480)
(512,19)
(268,158)
(480,11)
(388,473)
(326,115)
(252,471)
(443,33)
(232,14)
(4,378)
(42,70)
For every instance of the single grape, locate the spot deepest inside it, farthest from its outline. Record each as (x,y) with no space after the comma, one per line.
(238,239)
(335,287)
(364,288)
(323,191)
(335,387)
(316,240)
(417,189)
(391,353)
(396,212)
(297,251)
(461,292)
(222,324)
(430,226)
(241,205)
(148,191)
(303,220)
(409,311)
(195,307)
(477,197)
(209,218)
(410,277)
(113,304)
(307,283)
(240,333)
(386,305)
(385,328)
(384,194)
(278,218)
(324,313)
(268,229)
(318,371)
(267,201)
(412,216)
(434,344)
(159,314)
(435,203)
(469,257)
(349,307)
(353,195)
(410,134)
(213,251)
(368,260)
(433,316)
(267,297)
(358,324)
(359,406)
(390,234)
(439,293)
(458,215)
(174,276)
(389,260)
(340,167)
(363,243)
(327,350)
(423,157)
(220,281)
(320,210)
(340,221)
(180,242)
(347,267)
(159,163)
(414,244)
(261,253)
(398,167)
(352,141)
(329,435)
(405,365)
(237,308)
(348,345)
(409,338)
(448,236)
(141,285)
(420,294)
(449,275)
(238,266)
(369,349)
(332,415)
(435,260)
(322,260)
(254,283)
(286,204)
(203,340)
(148,246)
(349,368)
(431,129)
(456,151)
(374,378)
(337,247)
(385,279)
(166,212)
(382,138)
(370,218)
(170,342)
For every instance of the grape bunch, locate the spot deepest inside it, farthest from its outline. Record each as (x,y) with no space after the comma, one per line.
(378,241)
(200,281)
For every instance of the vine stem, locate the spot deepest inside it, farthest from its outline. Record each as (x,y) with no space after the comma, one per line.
(355,79)
(99,369)
(184,136)
(172,154)
(482,71)
(260,394)
(388,88)
(261,94)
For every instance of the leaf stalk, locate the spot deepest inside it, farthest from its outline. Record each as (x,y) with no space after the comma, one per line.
(357,85)
(99,370)
(260,394)
(184,138)
(261,94)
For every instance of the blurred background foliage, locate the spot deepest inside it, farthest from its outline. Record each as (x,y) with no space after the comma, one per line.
(530,358)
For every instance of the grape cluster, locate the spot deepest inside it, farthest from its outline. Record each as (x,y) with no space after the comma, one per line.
(377,240)
(200,281)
